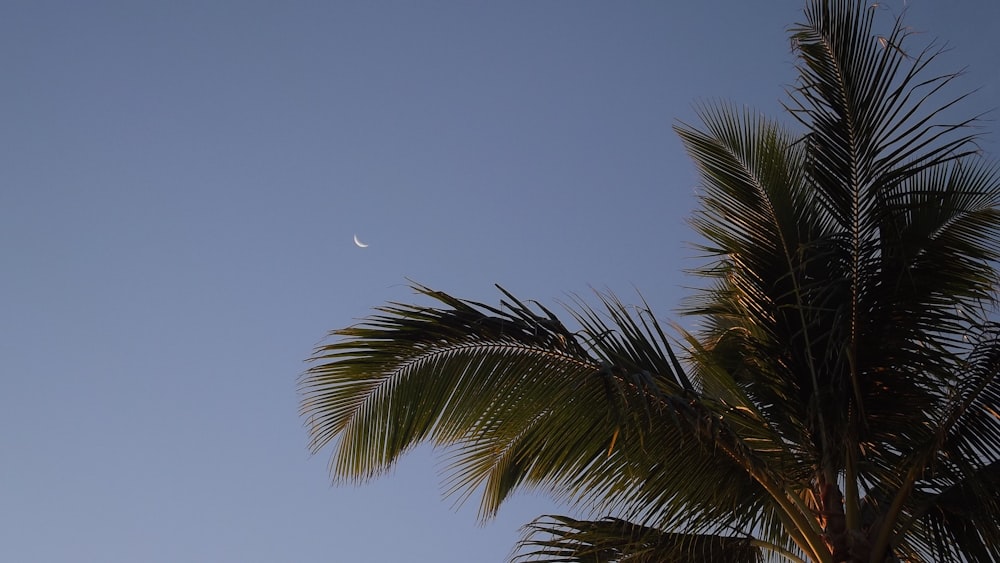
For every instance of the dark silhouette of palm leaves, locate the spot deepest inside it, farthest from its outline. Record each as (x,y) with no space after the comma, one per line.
(841,399)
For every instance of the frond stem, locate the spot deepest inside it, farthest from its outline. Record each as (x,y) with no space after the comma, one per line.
(454,348)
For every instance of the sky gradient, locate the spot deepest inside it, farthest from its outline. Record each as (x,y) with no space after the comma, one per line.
(180,183)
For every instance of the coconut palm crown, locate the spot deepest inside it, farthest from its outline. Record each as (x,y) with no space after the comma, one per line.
(840,400)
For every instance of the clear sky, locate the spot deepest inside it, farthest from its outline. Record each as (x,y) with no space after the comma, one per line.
(180,182)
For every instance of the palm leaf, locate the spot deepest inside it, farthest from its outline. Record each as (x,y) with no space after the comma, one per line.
(559,539)
(598,416)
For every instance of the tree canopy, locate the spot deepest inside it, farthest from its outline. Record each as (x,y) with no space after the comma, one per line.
(841,398)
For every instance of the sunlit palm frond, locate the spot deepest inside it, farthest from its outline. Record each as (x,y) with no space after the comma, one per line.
(768,310)
(414,373)
(595,416)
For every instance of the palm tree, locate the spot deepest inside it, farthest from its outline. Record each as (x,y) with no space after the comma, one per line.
(841,400)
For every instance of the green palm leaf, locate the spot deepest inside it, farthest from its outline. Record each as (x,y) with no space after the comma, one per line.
(519,399)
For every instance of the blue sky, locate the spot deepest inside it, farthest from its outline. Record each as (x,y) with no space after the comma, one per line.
(179,187)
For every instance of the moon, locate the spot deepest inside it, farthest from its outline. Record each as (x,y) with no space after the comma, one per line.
(359,243)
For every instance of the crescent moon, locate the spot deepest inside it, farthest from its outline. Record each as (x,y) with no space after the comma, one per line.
(359,243)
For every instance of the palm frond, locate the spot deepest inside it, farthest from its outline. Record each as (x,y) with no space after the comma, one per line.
(960,522)
(871,113)
(413,373)
(596,416)
(559,539)
(955,508)
(775,288)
